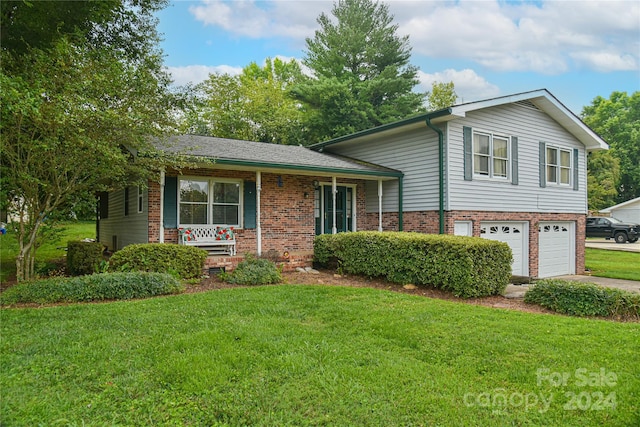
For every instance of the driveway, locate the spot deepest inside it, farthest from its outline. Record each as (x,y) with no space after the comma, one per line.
(612,246)
(626,285)
(518,291)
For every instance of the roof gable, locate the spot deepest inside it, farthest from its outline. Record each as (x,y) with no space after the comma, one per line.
(540,99)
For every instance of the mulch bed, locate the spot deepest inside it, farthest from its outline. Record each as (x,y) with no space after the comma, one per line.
(330,278)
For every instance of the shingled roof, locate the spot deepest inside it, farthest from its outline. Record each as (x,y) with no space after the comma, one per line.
(260,155)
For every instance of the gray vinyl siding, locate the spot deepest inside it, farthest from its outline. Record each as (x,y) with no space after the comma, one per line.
(415,153)
(129,229)
(531,127)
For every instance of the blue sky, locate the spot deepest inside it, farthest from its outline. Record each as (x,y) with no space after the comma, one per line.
(576,49)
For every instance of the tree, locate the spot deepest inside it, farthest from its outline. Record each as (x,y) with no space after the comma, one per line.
(617,120)
(127,25)
(255,105)
(362,76)
(442,95)
(602,180)
(74,112)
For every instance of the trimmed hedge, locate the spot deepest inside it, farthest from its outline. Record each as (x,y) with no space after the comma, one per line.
(253,271)
(95,287)
(84,257)
(185,261)
(466,266)
(583,299)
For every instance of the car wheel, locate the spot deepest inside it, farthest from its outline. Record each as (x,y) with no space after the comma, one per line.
(620,237)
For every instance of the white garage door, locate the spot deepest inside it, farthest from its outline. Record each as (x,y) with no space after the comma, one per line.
(515,234)
(556,249)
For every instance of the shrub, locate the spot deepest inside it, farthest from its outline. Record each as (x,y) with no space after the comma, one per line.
(83,257)
(185,261)
(583,299)
(466,266)
(253,271)
(95,287)
(323,249)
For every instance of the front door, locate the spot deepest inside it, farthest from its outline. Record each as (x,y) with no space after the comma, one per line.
(344,217)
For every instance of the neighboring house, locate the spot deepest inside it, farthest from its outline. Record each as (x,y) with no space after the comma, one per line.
(628,211)
(511,168)
(275,197)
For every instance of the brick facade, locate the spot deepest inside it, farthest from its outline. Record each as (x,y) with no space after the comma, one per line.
(287,217)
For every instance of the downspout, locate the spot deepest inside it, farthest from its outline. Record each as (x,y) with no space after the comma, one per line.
(440,165)
(258,224)
(379,205)
(334,192)
(400,204)
(161,237)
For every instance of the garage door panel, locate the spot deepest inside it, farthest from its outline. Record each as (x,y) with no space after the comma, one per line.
(515,235)
(556,247)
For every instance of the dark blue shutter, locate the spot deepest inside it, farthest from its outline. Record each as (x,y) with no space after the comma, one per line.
(249,204)
(467,141)
(170,202)
(543,164)
(514,160)
(576,175)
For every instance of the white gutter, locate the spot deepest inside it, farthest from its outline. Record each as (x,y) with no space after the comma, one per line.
(161,236)
(258,225)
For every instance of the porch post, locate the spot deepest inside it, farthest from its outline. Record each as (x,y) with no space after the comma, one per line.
(161,227)
(379,205)
(258,225)
(334,191)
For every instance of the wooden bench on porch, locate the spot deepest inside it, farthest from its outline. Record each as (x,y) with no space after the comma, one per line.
(217,240)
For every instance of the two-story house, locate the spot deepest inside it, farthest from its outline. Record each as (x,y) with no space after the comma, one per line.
(511,168)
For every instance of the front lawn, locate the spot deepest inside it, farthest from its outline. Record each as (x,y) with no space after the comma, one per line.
(613,264)
(51,250)
(313,355)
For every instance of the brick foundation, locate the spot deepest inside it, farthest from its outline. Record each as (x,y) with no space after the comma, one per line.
(428,222)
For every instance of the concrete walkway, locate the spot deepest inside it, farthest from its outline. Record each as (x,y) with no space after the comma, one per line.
(518,291)
(612,246)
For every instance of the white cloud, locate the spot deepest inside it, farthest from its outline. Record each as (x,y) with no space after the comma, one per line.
(257,19)
(469,86)
(606,61)
(551,38)
(548,37)
(198,73)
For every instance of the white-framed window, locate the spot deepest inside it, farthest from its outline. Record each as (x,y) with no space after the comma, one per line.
(210,201)
(491,155)
(140,199)
(558,166)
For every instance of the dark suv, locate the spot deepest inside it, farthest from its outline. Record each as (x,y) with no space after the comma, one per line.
(609,228)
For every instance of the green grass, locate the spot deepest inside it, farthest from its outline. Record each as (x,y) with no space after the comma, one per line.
(49,252)
(313,355)
(613,264)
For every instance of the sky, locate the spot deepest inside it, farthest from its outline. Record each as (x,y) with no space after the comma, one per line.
(578,50)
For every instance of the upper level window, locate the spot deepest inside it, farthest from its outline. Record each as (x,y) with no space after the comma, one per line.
(490,155)
(209,201)
(558,166)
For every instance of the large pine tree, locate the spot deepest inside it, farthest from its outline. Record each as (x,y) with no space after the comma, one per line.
(362,75)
